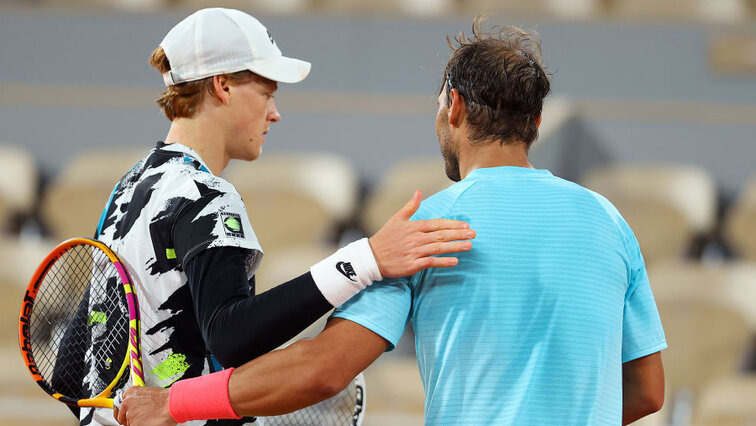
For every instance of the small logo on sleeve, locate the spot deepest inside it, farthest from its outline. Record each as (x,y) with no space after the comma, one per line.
(346,270)
(232,225)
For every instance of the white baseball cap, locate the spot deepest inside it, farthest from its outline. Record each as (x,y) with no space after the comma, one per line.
(222,41)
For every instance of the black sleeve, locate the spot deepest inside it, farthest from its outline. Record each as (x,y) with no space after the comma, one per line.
(238,325)
(70,365)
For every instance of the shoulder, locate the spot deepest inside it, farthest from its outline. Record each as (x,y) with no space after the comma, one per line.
(180,175)
(607,210)
(603,206)
(614,214)
(441,203)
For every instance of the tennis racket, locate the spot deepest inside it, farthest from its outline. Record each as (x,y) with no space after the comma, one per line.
(347,408)
(79,325)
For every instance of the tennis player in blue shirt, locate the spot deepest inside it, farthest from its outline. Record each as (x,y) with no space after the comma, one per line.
(548,320)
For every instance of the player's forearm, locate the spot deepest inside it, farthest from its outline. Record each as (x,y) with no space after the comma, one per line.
(306,372)
(237,325)
(253,326)
(278,382)
(287,380)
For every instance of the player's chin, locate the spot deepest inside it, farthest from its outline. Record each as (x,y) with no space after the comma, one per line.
(257,152)
(251,154)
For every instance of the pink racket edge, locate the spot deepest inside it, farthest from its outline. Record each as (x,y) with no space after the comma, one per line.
(135,349)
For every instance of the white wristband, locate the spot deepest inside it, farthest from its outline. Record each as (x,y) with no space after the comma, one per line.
(346,272)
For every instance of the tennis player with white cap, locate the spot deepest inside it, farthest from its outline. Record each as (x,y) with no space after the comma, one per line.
(184,233)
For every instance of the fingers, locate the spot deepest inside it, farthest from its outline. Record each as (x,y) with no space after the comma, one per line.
(410,208)
(120,415)
(123,407)
(435,262)
(446,235)
(429,225)
(443,248)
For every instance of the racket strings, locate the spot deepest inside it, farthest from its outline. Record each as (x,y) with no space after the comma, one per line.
(79,325)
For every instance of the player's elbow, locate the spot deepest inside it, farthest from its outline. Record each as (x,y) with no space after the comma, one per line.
(653,389)
(652,399)
(325,377)
(642,386)
(225,350)
(323,386)
(645,400)
(225,358)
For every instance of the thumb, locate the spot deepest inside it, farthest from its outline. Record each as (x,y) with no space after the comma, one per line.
(411,207)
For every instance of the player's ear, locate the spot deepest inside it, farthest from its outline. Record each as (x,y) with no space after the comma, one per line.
(222,87)
(538,120)
(456,108)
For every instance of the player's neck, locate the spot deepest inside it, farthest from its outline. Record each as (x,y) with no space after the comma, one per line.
(203,139)
(493,154)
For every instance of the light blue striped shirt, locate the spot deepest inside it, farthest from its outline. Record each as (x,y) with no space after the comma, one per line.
(533,325)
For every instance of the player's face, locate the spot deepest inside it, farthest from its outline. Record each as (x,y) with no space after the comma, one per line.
(449,149)
(254,112)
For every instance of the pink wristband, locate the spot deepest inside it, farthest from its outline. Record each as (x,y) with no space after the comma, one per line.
(202,398)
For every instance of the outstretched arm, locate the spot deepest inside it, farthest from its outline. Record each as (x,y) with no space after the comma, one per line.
(238,326)
(642,387)
(282,381)
(305,373)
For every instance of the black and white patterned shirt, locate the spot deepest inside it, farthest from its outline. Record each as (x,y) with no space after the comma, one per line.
(163,212)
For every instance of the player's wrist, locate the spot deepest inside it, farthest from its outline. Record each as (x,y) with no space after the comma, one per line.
(346,272)
(202,398)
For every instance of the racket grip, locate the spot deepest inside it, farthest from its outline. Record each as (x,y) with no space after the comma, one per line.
(202,398)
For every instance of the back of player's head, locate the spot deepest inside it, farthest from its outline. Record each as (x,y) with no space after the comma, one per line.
(217,41)
(183,99)
(500,77)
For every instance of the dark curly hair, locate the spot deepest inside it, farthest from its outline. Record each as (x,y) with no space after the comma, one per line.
(500,77)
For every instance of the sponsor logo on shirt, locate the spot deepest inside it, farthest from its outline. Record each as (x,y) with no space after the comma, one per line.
(232,225)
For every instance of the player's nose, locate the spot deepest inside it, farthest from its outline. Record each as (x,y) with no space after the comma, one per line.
(273,114)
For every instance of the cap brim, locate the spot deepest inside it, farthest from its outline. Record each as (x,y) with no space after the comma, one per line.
(282,69)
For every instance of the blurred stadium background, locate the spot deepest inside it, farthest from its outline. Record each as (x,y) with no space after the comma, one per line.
(653,105)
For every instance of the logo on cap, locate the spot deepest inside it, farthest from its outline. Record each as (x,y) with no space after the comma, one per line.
(232,225)
(273,42)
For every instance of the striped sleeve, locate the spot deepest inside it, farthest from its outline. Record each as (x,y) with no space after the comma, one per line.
(642,332)
(383,308)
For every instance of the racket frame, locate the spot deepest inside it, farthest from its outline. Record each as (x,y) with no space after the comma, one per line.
(133,358)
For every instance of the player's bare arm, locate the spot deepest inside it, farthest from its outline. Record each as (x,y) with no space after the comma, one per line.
(642,387)
(311,370)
